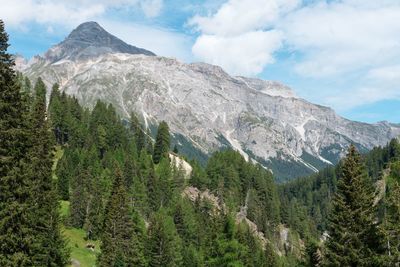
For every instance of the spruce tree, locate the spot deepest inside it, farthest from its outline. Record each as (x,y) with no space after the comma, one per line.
(161,147)
(120,246)
(391,224)
(137,130)
(354,238)
(164,245)
(226,249)
(57,114)
(63,178)
(50,247)
(79,197)
(15,227)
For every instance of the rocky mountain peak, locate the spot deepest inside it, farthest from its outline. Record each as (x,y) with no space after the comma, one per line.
(90,32)
(205,107)
(88,40)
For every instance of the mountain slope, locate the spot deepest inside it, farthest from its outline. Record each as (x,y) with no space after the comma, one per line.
(89,40)
(265,121)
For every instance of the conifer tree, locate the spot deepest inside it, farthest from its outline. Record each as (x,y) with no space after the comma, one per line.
(139,192)
(137,131)
(161,147)
(15,232)
(78,199)
(119,244)
(57,114)
(165,182)
(313,254)
(164,245)
(353,233)
(226,250)
(94,206)
(392,226)
(50,247)
(63,178)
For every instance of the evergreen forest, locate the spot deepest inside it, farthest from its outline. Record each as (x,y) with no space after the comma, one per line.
(86,187)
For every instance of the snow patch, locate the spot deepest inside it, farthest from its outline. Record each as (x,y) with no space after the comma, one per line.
(145,118)
(308,165)
(235,144)
(324,160)
(300,128)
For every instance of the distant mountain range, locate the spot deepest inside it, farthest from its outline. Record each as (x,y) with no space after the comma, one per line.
(206,108)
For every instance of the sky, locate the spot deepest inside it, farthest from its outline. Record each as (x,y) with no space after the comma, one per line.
(344,54)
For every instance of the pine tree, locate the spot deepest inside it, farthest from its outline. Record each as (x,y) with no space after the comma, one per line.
(394,149)
(161,147)
(226,250)
(50,247)
(137,130)
(57,114)
(94,206)
(165,182)
(353,233)
(63,178)
(119,244)
(79,199)
(391,224)
(313,254)
(164,245)
(15,232)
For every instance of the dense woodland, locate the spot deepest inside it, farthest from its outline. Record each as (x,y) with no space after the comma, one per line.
(66,168)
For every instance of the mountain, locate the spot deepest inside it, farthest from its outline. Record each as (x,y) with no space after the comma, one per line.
(206,108)
(89,40)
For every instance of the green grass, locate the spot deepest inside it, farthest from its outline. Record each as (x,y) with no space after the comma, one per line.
(77,244)
(64,208)
(75,237)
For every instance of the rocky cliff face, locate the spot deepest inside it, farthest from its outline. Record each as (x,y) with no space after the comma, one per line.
(265,121)
(89,40)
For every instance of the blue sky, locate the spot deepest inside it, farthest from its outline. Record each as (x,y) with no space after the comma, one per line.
(341,53)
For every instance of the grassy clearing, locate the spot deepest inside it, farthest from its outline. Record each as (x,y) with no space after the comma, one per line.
(76,237)
(77,244)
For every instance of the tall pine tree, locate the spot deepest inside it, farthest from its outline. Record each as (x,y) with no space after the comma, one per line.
(161,147)
(391,225)
(15,227)
(50,247)
(119,244)
(353,233)
(164,245)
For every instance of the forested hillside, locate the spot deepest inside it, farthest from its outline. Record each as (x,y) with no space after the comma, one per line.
(83,187)
(112,174)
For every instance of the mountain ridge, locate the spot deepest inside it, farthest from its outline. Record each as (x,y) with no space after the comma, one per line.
(264,120)
(89,40)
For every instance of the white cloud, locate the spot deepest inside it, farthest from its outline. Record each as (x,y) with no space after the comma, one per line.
(344,36)
(353,44)
(158,40)
(239,16)
(244,54)
(350,46)
(152,8)
(237,38)
(22,12)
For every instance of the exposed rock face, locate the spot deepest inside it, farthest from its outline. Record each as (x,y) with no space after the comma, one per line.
(181,165)
(194,194)
(89,40)
(265,121)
